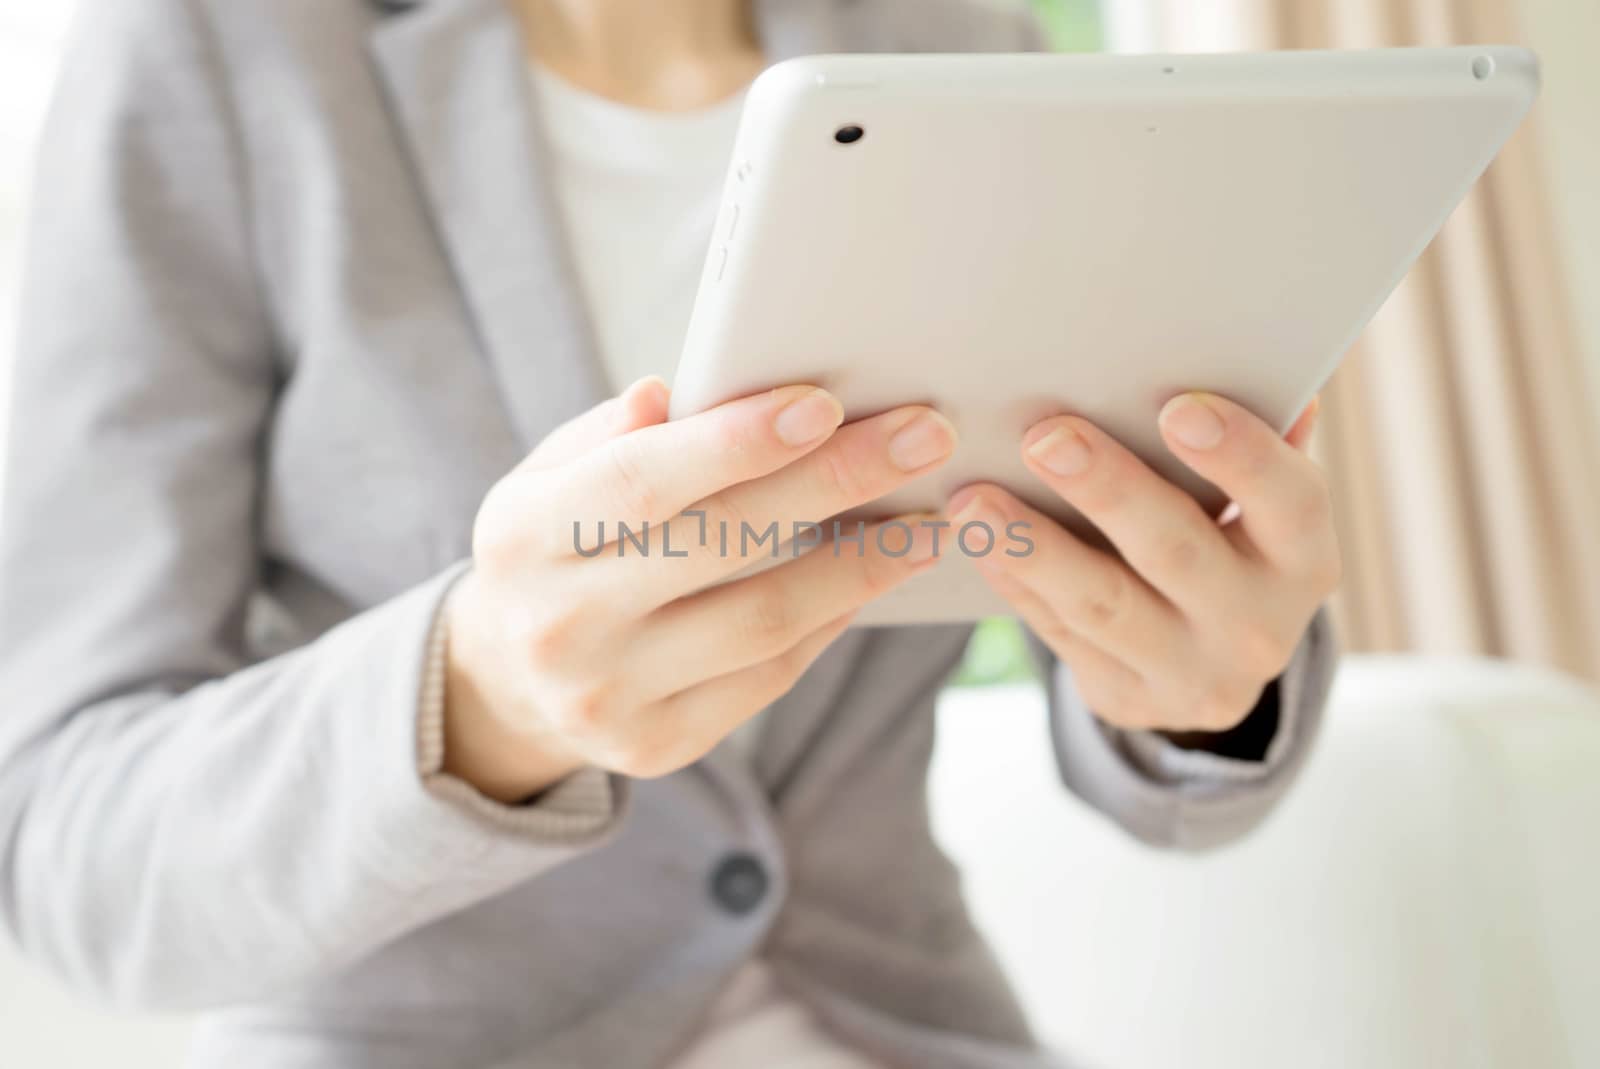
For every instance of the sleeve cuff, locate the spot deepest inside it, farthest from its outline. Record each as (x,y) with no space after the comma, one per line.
(1163,761)
(575,810)
(427,835)
(1167,795)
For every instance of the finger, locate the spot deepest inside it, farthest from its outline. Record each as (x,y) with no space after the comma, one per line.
(1160,530)
(1284,510)
(730,530)
(655,473)
(1113,690)
(1090,592)
(642,404)
(751,620)
(684,727)
(1299,434)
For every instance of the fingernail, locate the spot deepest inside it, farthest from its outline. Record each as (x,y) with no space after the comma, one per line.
(960,501)
(1062,452)
(1191,422)
(975,524)
(969,507)
(926,439)
(814,415)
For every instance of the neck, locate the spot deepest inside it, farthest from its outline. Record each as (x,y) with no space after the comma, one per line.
(663,54)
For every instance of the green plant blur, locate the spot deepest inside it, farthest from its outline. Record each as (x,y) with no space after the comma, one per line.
(997,652)
(1072,25)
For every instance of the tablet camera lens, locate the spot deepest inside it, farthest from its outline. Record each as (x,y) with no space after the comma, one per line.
(849,135)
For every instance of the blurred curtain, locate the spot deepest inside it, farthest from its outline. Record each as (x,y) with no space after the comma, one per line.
(1458,436)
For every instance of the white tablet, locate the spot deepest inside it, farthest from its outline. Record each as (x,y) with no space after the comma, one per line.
(1008,237)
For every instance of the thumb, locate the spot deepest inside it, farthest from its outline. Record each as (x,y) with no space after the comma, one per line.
(643,404)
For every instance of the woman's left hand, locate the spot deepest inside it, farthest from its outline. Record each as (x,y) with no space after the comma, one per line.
(1182,632)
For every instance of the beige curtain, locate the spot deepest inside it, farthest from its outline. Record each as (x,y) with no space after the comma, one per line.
(1459,434)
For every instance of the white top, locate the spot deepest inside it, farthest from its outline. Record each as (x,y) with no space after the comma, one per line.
(639,192)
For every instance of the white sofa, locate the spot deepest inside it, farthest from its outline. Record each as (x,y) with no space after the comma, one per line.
(1428,896)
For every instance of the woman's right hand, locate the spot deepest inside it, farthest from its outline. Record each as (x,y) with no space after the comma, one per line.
(637,663)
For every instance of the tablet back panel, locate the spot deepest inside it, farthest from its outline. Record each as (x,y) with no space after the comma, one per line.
(1017,236)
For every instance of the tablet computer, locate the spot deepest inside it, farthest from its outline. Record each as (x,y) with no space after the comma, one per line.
(1008,237)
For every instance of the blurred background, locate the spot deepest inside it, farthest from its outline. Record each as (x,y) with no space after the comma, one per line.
(1427,896)
(1459,437)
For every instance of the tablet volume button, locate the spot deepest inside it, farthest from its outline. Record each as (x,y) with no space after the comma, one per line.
(722,261)
(733,222)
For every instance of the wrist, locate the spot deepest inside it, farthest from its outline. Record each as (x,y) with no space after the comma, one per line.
(483,746)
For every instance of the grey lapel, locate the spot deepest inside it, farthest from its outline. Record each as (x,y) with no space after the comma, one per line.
(456,79)
(790,28)
(457,84)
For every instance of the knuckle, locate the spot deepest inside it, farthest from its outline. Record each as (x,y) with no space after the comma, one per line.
(1054,633)
(769,614)
(554,642)
(1179,553)
(551,640)
(730,436)
(545,646)
(584,712)
(1104,603)
(636,497)
(745,443)
(842,474)
(725,512)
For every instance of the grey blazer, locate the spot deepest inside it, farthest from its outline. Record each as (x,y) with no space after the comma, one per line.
(295,297)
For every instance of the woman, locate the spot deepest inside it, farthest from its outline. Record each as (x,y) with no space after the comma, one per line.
(293,737)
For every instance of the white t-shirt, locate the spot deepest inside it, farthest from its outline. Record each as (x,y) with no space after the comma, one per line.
(638,192)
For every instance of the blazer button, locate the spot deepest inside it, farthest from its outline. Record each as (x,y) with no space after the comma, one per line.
(739,883)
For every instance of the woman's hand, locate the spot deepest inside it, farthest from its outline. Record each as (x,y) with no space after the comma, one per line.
(1183,627)
(635,663)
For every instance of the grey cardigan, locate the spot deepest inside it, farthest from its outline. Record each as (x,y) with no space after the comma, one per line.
(295,297)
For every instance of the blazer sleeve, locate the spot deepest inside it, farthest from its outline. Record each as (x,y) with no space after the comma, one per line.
(1162,794)
(1167,796)
(177,827)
